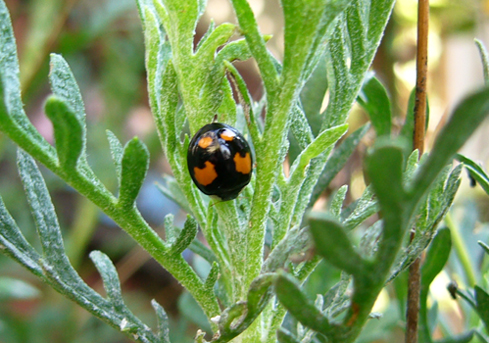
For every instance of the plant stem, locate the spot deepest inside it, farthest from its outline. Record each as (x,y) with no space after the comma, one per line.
(414,280)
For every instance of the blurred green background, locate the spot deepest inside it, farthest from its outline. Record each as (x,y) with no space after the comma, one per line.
(103,43)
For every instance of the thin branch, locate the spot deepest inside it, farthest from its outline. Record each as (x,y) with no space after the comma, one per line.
(414,282)
(421,76)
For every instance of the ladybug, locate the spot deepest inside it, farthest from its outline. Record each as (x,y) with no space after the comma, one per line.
(219,161)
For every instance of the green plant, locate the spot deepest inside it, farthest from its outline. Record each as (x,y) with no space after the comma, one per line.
(325,41)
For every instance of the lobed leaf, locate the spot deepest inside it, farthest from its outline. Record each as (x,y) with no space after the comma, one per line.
(68,133)
(484,246)
(337,202)
(187,235)
(333,244)
(212,277)
(336,298)
(217,37)
(384,167)
(364,208)
(374,99)
(296,302)
(484,59)
(116,151)
(134,165)
(13,120)
(259,294)
(482,305)
(295,241)
(14,244)
(64,87)
(110,279)
(475,171)
(325,139)
(163,328)
(337,161)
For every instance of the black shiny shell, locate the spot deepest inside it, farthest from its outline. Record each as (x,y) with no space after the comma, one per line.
(219,161)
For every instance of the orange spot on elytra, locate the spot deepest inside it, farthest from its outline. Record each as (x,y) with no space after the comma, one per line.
(204,142)
(228,135)
(205,175)
(243,164)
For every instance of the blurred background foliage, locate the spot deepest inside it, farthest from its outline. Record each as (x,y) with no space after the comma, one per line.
(103,43)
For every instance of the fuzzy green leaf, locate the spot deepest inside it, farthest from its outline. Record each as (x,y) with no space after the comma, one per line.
(475,171)
(235,50)
(300,135)
(187,235)
(408,127)
(13,120)
(384,167)
(9,69)
(163,329)
(201,249)
(212,277)
(15,289)
(430,213)
(231,321)
(302,20)
(296,240)
(110,278)
(245,100)
(296,302)
(68,132)
(436,258)
(337,202)
(116,151)
(374,99)
(332,243)
(312,96)
(15,245)
(256,43)
(466,118)
(337,298)
(64,86)
(370,239)
(259,294)
(325,139)
(484,59)
(158,50)
(57,269)
(482,305)
(44,214)
(215,39)
(337,161)
(484,246)
(134,165)
(363,208)
(179,19)
(349,53)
